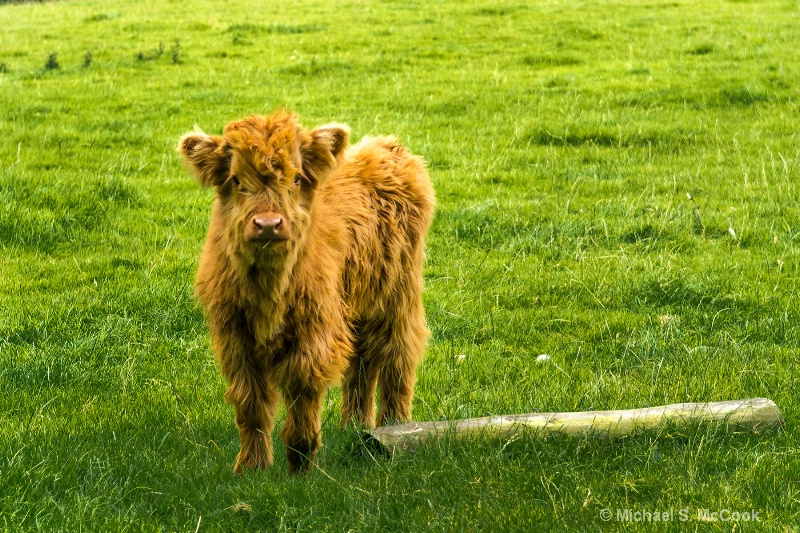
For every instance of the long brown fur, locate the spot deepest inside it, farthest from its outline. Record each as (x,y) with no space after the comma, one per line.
(336,297)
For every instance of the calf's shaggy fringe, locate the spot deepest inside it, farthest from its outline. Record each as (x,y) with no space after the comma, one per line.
(311,275)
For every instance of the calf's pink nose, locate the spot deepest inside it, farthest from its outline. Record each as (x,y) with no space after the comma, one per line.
(271,223)
(269,227)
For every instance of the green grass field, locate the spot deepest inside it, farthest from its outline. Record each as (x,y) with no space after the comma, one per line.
(617,186)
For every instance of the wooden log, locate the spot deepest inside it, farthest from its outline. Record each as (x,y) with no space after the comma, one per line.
(755,414)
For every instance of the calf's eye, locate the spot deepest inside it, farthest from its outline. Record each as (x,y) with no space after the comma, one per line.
(297,178)
(235,180)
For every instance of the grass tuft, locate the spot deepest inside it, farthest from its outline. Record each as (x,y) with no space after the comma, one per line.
(52,62)
(276,28)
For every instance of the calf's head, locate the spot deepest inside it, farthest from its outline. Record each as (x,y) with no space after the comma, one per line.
(266,172)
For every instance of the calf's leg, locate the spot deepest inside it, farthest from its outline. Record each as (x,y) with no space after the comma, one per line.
(396,385)
(399,357)
(255,402)
(358,389)
(302,431)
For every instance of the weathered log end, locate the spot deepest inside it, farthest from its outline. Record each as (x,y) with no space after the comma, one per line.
(755,414)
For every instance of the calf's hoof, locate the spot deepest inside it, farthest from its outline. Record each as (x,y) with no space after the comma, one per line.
(300,457)
(251,461)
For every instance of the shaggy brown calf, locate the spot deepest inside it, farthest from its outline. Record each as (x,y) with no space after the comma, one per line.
(311,274)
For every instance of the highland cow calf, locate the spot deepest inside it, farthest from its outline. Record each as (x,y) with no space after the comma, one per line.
(311,274)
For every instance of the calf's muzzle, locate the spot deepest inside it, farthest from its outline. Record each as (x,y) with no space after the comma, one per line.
(269,226)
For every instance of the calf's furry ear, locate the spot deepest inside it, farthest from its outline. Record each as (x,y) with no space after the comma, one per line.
(207,156)
(322,149)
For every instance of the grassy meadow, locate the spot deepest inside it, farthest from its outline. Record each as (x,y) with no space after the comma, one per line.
(618,187)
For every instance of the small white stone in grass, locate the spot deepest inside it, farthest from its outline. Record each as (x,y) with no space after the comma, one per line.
(461,358)
(732,232)
(542,358)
